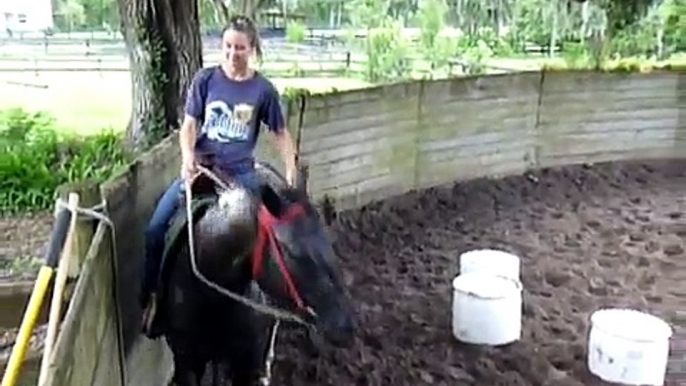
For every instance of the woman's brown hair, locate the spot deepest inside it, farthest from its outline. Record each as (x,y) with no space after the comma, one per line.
(245,25)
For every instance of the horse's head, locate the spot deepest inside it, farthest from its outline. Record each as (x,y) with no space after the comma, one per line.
(294,262)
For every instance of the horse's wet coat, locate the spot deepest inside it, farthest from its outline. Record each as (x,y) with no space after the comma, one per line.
(202,325)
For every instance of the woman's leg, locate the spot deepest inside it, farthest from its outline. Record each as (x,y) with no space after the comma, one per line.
(155,234)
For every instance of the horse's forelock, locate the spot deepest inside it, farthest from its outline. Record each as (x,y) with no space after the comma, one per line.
(313,232)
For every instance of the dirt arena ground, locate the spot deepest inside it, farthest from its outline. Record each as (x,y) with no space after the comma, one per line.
(588,237)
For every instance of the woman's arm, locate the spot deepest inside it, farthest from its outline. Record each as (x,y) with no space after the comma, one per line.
(194,113)
(284,142)
(272,116)
(187,136)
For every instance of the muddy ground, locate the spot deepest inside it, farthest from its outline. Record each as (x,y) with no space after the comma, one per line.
(22,244)
(589,237)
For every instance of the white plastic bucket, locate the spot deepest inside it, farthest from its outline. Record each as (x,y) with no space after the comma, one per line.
(487,309)
(628,347)
(490,261)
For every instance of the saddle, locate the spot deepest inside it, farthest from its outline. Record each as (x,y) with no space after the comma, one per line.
(204,194)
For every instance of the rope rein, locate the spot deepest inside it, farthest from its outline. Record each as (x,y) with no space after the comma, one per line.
(95,212)
(263,308)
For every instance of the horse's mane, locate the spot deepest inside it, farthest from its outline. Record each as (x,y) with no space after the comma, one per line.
(278,199)
(277,194)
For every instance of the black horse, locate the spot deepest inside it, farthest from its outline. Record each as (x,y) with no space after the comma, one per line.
(277,254)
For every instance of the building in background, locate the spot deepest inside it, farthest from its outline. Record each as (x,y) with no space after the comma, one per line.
(19,16)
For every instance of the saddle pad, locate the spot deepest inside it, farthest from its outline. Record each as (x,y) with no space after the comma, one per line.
(178,226)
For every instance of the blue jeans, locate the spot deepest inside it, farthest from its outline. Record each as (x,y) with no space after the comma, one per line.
(161,220)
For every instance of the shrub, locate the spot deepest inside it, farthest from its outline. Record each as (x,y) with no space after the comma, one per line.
(35,159)
(296,32)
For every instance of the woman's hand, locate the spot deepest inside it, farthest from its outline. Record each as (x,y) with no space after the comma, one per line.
(291,176)
(188,168)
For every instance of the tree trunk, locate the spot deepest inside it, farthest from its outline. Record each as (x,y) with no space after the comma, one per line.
(223,10)
(554,29)
(249,8)
(165,51)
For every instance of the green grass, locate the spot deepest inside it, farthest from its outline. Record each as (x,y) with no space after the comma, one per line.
(81,103)
(85,103)
(538,62)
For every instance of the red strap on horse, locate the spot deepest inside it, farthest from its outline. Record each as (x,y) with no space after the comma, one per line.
(265,234)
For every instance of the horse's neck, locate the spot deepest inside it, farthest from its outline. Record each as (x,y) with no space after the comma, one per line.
(232,273)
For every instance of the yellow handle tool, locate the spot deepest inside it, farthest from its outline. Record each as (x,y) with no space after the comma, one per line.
(45,274)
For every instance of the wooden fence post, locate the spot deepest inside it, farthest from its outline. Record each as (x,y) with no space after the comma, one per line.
(89,196)
(80,349)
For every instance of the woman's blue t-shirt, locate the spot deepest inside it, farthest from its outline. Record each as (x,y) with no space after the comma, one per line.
(230,114)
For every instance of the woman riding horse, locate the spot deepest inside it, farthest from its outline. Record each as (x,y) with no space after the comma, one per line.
(228,102)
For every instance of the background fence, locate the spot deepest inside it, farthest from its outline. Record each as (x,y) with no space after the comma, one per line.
(109,55)
(366,144)
(314,57)
(369,144)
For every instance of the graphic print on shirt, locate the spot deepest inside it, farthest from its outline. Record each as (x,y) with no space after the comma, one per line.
(221,124)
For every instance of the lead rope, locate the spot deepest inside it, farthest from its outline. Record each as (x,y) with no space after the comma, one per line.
(264,308)
(269,361)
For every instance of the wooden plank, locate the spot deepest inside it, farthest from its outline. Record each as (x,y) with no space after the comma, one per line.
(573,107)
(443,129)
(350,115)
(379,145)
(457,169)
(572,148)
(489,116)
(107,366)
(625,134)
(605,131)
(358,193)
(514,104)
(478,88)
(476,144)
(600,92)
(659,152)
(89,196)
(376,145)
(466,118)
(391,158)
(371,95)
(608,120)
(73,361)
(565,82)
(328,137)
(351,177)
(586,116)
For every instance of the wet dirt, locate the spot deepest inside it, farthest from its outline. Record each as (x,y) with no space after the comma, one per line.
(23,240)
(608,235)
